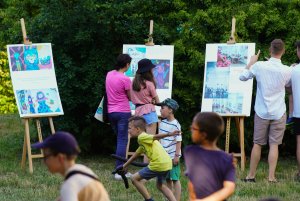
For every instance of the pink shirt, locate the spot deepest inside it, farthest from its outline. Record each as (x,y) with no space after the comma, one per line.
(144,96)
(116,86)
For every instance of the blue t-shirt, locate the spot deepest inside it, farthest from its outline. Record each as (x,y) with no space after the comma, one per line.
(208,169)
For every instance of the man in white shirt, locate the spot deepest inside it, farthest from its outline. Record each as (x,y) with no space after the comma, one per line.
(269,121)
(296,107)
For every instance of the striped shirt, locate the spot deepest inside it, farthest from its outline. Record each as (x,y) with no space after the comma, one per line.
(169,143)
(271,77)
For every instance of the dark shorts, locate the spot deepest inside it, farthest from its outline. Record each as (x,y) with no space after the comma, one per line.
(147,174)
(296,126)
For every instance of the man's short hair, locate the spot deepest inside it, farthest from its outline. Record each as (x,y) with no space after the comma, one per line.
(277,46)
(138,122)
(211,123)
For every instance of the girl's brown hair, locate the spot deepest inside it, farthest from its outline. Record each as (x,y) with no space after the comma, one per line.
(139,80)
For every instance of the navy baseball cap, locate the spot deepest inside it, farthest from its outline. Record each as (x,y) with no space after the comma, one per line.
(145,65)
(60,142)
(171,103)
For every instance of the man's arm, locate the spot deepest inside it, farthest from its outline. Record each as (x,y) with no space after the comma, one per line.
(246,75)
(222,194)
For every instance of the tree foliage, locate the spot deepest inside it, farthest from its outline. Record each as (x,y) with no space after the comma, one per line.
(87,35)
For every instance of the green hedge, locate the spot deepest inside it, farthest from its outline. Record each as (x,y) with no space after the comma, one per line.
(87,35)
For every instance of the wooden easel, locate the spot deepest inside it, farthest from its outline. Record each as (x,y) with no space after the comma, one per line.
(27,144)
(148,43)
(150,36)
(239,120)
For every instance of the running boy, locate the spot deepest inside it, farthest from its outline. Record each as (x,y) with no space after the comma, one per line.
(159,160)
(171,144)
(210,170)
(81,183)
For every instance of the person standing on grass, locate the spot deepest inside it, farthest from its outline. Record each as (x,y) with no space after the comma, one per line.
(159,161)
(269,122)
(118,95)
(210,171)
(296,107)
(171,144)
(81,183)
(144,96)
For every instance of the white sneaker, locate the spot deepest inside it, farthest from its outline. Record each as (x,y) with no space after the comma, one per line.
(128,174)
(117,177)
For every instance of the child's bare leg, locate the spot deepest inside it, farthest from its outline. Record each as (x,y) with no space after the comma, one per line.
(151,128)
(138,182)
(166,191)
(177,189)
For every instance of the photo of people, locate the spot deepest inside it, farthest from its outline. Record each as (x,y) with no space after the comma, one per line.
(161,73)
(30,57)
(233,56)
(232,105)
(217,80)
(136,53)
(38,101)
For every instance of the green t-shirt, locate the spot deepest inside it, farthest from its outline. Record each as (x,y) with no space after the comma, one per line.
(159,159)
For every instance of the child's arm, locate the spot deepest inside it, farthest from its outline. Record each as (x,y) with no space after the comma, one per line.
(132,158)
(177,153)
(163,135)
(222,194)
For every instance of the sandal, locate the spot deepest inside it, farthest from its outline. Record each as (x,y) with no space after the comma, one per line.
(274,181)
(249,180)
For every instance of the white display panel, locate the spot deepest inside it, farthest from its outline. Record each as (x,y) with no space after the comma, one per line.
(223,92)
(33,78)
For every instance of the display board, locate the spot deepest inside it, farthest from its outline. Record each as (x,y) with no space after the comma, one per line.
(223,92)
(162,56)
(34,81)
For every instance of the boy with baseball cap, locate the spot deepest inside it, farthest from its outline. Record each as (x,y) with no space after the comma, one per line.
(172,144)
(81,183)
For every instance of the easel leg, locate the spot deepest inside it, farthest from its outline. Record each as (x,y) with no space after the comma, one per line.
(24,152)
(227,134)
(51,125)
(38,126)
(242,143)
(27,135)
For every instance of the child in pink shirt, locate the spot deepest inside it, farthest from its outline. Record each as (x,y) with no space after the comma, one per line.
(144,96)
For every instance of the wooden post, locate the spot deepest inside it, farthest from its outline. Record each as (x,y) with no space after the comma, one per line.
(240,129)
(25,38)
(150,36)
(232,37)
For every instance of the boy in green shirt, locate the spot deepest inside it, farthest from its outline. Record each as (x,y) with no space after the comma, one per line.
(159,161)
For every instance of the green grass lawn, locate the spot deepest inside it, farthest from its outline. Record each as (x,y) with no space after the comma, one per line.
(20,185)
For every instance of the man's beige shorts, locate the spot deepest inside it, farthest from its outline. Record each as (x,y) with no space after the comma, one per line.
(265,129)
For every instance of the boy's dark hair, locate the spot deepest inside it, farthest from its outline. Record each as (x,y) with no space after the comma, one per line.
(122,60)
(270,199)
(277,46)
(297,44)
(138,122)
(211,123)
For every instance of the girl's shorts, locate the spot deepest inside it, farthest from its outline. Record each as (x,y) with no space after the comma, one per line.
(151,118)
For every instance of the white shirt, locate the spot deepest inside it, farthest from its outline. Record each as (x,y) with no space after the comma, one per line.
(169,143)
(296,90)
(271,77)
